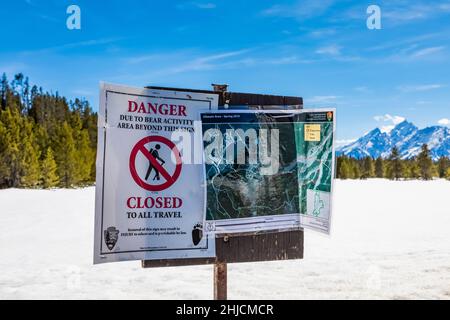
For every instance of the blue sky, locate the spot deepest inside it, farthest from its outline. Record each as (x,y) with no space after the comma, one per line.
(320,50)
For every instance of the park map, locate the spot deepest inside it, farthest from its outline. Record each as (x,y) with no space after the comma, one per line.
(302,182)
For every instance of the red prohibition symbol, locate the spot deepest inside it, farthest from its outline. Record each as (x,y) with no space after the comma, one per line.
(140,147)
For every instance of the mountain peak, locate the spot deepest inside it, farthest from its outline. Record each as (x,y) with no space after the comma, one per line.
(405,136)
(402,132)
(405,123)
(373,132)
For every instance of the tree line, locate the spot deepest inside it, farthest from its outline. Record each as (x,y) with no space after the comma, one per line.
(393,167)
(45,140)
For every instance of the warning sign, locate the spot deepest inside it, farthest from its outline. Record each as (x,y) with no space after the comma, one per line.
(150,193)
(155,164)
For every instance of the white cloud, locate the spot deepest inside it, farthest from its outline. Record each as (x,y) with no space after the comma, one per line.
(444,122)
(182,61)
(31,3)
(332,50)
(322,99)
(423,87)
(406,41)
(362,89)
(208,5)
(143,58)
(422,102)
(300,9)
(389,121)
(399,13)
(390,118)
(344,142)
(405,14)
(285,60)
(445,7)
(208,62)
(198,5)
(73,45)
(414,52)
(322,33)
(387,129)
(426,52)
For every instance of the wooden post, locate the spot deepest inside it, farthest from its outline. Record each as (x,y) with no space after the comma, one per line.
(242,247)
(220,281)
(220,268)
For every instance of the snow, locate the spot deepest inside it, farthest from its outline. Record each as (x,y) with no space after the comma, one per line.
(390,240)
(405,136)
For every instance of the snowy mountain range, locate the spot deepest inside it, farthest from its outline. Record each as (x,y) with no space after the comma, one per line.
(405,136)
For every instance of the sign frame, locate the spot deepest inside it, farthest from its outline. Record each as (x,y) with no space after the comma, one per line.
(101,256)
(245,247)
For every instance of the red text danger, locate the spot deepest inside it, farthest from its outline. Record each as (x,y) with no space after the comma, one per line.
(156,108)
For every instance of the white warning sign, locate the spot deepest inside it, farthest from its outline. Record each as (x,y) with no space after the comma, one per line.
(150,201)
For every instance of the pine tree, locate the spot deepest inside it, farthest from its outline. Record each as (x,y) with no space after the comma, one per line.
(4,87)
(413,169)
(368,169)
(26,94)
(442,166)
(396,167)
(356,171)
(31,122)
(5,169)
(19,151)
(18,88)
(65,155)
(389,173)
(84,157)
(425,163)
(49,172)
(379,168)
(30,167)
(10,153)
(343,168)
(447,174)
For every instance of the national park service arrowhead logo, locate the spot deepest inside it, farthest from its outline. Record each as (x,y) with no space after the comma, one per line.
(197,234)
(329,115)
(111,237)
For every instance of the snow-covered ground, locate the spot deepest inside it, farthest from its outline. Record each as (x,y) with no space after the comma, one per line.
(389,240)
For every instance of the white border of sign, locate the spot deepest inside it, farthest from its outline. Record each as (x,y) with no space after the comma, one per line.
(283,221)
(99,257)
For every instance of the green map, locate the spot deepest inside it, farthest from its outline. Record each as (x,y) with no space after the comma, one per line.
(300,185)
(240,190)
(314,158)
